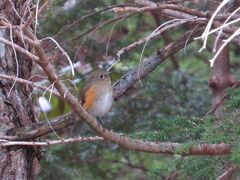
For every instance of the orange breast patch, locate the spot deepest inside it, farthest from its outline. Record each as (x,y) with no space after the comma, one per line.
(89,97)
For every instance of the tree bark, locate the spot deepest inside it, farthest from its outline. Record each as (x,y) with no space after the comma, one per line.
(221,76)
(16,107)
(220,80)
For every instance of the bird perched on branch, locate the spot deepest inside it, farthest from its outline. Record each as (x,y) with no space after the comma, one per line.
(97,94)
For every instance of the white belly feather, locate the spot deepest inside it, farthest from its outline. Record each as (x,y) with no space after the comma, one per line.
(102,105)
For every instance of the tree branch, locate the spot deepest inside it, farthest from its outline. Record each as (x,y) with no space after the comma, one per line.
(27,82)
(5,143)
(120,87)
(227,174)
(125,83)
(172,10)
(129,79)
(160,31)
(19,48)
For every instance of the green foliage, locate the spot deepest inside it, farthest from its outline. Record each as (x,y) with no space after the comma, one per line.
(235,156)
(233,103)
(175,129)
(163,167)
(198,168)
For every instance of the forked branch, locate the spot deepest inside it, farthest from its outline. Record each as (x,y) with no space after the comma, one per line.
(125,83)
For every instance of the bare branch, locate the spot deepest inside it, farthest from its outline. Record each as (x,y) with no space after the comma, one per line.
(19,49)
(157,34)
(63,52)
(139,145)
(32,16)
(129,79)
(227,174)
(68,26)
(208,27)
(24,81)
(188,13)
(4,143)
(44,128)
(98,26)
(120,87)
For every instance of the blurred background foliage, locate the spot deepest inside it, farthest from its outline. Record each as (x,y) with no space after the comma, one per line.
(169,106)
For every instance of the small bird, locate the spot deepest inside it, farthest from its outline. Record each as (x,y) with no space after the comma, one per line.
(97,94)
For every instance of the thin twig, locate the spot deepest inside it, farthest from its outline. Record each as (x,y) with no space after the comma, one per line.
(155,35)
(191,12)
(31,17)
(4,142)
(108,135)
(63,51)
(236,33)
(68,26)
(96,27)
(24,81)
(228,173)
(19,49)
(220,32)
(205,34)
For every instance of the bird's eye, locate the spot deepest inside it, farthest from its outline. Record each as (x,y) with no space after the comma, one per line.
(101,76)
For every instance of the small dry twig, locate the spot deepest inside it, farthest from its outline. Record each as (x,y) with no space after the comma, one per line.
(228,173)
(4,142)
(24,81)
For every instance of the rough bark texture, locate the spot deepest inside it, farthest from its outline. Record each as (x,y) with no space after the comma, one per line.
(16,109)
(221,76)
(220,80)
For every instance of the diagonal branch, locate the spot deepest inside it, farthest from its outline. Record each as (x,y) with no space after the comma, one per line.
(129,79)
(120,87)
(125,83)
(228,173)
(159,32)
(77,22)
(19,48)
(27,82)
(5,143)
(172,10)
